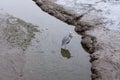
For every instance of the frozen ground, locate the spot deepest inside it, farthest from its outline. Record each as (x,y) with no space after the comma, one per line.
(108,9)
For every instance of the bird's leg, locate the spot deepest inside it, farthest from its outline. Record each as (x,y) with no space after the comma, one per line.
(65,46)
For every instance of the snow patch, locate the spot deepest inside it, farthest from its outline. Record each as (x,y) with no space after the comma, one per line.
(109,9)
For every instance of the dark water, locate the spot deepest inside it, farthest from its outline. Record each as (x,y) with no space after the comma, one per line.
(45,60)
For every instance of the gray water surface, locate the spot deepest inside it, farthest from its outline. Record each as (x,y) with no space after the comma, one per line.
(45,60)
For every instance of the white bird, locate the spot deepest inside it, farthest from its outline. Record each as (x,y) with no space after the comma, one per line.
(66,40)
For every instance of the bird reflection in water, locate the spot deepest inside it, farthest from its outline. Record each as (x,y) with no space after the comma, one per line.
(66,53)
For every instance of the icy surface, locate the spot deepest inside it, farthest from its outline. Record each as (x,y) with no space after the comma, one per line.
(108,9)
(15,36)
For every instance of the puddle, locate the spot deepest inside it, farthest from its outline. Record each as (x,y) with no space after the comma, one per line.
(45,59)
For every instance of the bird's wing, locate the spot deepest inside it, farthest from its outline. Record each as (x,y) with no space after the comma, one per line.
(66,40)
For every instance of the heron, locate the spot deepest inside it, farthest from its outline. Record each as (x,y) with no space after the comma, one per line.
(66,40)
